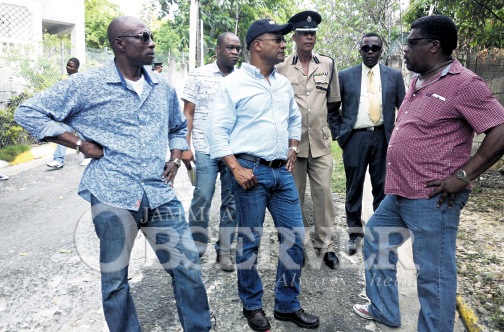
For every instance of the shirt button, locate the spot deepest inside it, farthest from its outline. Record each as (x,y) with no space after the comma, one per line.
(397,129)
(406,112)
(144,165)
(307,93)
(309,110)
(309,128)
(389,163)
(390,146)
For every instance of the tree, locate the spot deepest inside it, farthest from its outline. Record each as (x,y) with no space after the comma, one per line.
(98,15)
(480,22)
(344,23)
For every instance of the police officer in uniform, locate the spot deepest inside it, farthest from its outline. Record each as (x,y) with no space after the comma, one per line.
(314,80)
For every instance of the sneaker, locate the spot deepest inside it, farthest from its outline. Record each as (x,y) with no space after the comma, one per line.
(362,310)
(3,177)
(85,162)
(55,164)
(353,244)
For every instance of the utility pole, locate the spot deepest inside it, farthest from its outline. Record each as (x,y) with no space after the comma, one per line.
(193,29)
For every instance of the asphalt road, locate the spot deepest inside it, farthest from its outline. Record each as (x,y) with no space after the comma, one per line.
(49,279)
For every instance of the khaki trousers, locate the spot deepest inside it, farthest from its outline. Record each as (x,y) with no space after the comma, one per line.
(319,171)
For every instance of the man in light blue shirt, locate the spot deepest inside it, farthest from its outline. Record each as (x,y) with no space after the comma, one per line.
(255,127)
(126,119)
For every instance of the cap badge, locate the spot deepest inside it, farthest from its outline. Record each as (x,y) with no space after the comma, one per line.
(309,19)
(271,22)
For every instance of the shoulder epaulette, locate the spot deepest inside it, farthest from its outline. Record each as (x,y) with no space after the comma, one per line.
(295,59)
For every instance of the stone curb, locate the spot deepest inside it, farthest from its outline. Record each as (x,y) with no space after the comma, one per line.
(36,152)
(469,317)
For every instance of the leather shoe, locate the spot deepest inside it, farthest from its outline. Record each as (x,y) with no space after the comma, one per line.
(225,262)
(331,260)
(353,244)
(299,317)
(257,320)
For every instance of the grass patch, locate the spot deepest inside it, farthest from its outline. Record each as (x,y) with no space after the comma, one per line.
(9,153)
(338,184)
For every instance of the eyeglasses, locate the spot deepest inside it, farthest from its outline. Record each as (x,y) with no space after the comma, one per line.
(373,48)
(277,40)
(230,48)
(145,36)
(410,42)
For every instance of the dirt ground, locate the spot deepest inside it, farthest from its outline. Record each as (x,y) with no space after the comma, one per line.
(480,251)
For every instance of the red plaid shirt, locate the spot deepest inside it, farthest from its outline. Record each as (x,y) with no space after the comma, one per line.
(435,128)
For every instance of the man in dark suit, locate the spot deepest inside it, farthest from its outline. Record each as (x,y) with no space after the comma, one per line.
(370,93)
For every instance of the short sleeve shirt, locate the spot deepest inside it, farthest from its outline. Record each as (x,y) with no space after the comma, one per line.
(200,89)
(435,129)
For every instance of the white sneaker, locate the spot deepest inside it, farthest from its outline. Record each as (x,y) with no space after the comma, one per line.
(3,177)
(362,310)
(85,162)
(54,164)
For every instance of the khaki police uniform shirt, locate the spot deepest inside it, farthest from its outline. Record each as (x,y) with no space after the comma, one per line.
(312,93)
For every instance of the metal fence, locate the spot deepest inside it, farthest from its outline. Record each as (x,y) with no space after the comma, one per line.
(28,69)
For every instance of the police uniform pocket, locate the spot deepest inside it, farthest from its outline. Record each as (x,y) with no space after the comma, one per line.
(321,82)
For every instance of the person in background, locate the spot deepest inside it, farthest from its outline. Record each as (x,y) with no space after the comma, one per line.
(370,94)
(314,79)
(127,119)
(157,67)
(254,126)
(198,94)
(428,178)
(58,161)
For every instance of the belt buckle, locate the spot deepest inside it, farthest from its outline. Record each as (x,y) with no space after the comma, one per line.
(270,163)
(370,128)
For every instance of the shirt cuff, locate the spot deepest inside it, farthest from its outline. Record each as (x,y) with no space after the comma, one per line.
(178,143)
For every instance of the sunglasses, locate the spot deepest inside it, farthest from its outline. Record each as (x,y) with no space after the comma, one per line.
(146,36)
(410,42)
(373,48)
(277,40)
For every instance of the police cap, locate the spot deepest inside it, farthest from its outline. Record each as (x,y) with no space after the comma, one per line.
(306,21)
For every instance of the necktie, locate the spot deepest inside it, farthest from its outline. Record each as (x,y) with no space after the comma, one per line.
(374,99)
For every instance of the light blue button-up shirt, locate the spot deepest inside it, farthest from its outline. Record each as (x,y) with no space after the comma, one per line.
(250,115)
(134,131)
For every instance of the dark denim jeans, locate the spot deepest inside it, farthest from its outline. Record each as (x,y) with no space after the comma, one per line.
(277,192)
(168,234)
(434,232)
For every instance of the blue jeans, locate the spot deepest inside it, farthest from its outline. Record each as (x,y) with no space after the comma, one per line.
(199,214)
(434,232)
(59,153)
(276,191)
(166,230)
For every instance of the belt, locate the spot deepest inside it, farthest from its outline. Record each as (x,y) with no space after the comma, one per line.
(277,163)
(380,127)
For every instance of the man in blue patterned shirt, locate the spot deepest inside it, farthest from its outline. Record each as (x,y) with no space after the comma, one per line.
(127,119)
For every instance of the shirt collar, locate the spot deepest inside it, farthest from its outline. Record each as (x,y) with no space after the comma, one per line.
(254,71)
(113,75)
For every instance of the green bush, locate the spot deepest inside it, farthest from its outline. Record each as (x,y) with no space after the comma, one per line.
(9,153)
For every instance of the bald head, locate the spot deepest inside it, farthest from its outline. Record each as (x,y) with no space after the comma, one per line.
(123,25)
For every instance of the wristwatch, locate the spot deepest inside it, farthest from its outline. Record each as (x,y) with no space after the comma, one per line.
(177,162)
(294,148)
(462,175)
(78,145)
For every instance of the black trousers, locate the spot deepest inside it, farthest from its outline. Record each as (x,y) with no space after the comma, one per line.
(363,149)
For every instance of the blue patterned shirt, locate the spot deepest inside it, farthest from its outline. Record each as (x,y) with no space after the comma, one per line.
(250,115)
(134,131)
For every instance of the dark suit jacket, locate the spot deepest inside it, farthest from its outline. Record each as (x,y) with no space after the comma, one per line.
(393,92)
